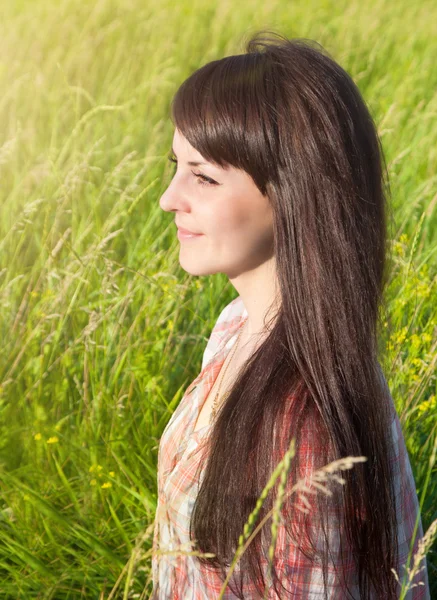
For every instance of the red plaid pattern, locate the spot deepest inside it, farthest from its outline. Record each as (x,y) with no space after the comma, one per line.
(181,577)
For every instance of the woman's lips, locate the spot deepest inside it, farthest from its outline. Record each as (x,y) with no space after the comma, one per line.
(183,234)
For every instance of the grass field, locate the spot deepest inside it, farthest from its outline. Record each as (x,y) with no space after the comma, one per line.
(102,330)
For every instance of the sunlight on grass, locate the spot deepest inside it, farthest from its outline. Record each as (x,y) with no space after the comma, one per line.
(102,329)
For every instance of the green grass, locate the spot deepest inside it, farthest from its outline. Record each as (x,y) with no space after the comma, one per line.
(102,330)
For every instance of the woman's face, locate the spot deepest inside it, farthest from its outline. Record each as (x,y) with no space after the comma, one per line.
(234,219)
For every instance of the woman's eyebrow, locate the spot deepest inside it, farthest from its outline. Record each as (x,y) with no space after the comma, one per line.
(191,163)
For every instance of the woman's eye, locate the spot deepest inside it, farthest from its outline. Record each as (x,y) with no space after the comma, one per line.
(201,178)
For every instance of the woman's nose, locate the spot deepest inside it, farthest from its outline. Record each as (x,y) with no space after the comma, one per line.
(173,198)
(163,202)
(167,199)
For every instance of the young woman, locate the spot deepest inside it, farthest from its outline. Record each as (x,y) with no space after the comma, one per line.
(279,179)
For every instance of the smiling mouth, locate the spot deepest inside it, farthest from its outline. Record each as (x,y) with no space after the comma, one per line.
(187,235)
(183,230)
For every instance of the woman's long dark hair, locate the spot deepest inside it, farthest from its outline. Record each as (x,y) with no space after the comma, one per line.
(294,120)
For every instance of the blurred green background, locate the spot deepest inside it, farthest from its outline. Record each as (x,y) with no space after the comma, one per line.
(102,330)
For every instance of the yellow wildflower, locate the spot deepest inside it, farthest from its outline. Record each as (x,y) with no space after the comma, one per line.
(107,484)
(111,474)
(415,342)
(428,405)
(93,482)
(37,436)
(397,248)
(426,338)
(401,336)
(53,439)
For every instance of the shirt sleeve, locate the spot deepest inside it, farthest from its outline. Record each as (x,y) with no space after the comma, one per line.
(155,557)
(300,572)
(303,575)
(408,511)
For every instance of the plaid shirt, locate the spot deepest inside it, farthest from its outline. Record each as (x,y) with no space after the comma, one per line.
(181,577)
